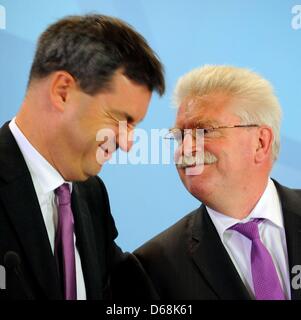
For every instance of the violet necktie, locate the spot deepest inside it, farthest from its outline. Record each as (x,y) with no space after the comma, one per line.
(265,279)
(64,243)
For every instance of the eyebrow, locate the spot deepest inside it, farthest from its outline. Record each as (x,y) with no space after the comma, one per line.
(204,123)
(200,123)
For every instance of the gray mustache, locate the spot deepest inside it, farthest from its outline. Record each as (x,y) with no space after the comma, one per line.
(199,159)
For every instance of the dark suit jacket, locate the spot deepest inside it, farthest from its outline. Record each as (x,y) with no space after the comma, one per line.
(23,231)
(189,261)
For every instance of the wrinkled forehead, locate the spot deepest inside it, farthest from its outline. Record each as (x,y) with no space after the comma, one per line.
(210,109)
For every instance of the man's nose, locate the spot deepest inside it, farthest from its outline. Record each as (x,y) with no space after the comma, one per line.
(125,140)
(185,147)
(187,144)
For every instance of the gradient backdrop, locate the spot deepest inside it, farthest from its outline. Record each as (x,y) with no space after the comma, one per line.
(145,199)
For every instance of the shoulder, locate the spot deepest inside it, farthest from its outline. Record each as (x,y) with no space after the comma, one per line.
(172,239)
(287,194)
(94,187)
(166,258)
(94,195)
(12,163)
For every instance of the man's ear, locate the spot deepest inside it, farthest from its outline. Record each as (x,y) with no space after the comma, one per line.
(264,143)
(61,85)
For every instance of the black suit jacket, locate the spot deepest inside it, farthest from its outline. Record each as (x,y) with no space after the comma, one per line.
(189,261)
(22,230)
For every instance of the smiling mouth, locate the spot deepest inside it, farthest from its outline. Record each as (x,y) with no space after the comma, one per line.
(181,166)
(105,151)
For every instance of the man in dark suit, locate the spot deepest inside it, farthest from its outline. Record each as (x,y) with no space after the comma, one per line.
(56,229)
(244,240)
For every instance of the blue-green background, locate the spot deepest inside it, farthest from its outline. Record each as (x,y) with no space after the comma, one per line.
(257,34)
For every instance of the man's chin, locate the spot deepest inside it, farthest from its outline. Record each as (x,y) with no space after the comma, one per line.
(91,172)
(98,168)
(198,186)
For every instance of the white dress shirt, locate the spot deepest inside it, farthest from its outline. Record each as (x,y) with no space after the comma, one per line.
(272,235)
(45,180)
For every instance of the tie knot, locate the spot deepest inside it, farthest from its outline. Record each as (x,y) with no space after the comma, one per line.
(248,229)
(63,194)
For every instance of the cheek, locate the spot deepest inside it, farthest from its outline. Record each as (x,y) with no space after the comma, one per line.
(240,157)
(245,150)
(226,157)
(78,141)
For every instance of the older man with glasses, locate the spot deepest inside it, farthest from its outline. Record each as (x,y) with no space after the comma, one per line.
(242,242)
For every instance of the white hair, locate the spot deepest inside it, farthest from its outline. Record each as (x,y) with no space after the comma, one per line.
(258,103)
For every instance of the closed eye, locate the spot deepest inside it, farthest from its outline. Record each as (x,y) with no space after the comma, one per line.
(208,130)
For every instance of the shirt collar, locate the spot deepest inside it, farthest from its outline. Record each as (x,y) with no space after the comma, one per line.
(268,207)
(47,176)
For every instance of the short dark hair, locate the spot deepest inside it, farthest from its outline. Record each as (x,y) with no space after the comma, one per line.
(91,48)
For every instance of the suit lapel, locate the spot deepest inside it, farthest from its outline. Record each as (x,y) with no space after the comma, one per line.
(291,208)
(92,257)
(22,207)
(212,259)
(26,216)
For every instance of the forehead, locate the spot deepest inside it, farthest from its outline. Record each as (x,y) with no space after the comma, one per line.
(213,109)
(126,98)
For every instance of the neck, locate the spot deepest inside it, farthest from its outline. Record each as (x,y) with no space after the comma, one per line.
(34,128)
(239,205)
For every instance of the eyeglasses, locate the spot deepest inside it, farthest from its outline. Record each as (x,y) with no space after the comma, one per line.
(178,134)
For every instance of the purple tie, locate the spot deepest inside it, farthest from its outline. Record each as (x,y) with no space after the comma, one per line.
(64,243)
(265,279)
